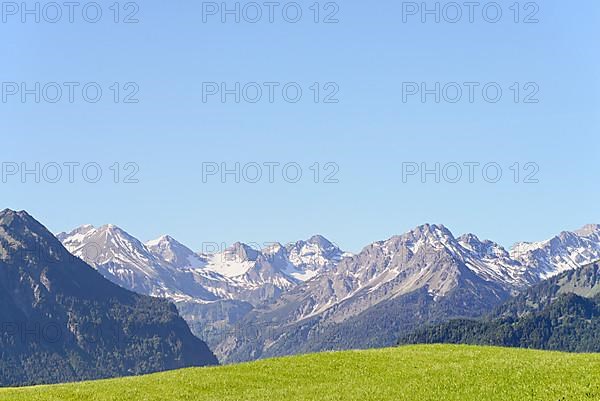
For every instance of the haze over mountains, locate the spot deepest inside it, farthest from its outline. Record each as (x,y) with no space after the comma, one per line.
(311,296)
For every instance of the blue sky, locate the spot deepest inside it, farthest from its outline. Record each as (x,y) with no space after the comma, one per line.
(369,133)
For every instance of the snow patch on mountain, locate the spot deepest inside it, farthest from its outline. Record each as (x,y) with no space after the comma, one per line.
(166,268)
(173,252)
(566,251)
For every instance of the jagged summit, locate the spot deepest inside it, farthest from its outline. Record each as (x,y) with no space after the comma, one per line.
(22,235)
(241,252)
(11,212)
(588,230)
(163,239)
(175,253)
(12,218)
(320,240)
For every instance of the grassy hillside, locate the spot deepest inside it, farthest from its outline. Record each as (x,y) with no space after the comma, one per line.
(420,373)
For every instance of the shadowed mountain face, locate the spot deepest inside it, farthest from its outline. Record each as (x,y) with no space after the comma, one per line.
(60,320)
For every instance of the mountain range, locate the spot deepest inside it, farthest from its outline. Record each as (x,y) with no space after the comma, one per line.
(310,295)
(166,268)
(97,302)
(62,321)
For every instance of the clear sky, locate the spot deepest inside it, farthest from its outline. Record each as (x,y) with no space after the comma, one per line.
(369,134)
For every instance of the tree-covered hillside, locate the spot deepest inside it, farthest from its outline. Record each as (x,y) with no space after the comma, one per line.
(562,313)
(61,321)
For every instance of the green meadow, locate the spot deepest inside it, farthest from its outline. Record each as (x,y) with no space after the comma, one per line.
(419,373)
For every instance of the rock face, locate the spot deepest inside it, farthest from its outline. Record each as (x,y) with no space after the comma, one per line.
(422,276)
(62,321)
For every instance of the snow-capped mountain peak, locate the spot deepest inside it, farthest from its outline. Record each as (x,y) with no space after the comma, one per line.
(76,233)
(307,259)
(124,259)
(160,241)
(566,251)
(103,244)
(175,253)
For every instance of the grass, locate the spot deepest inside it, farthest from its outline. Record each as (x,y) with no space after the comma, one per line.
(419,373)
